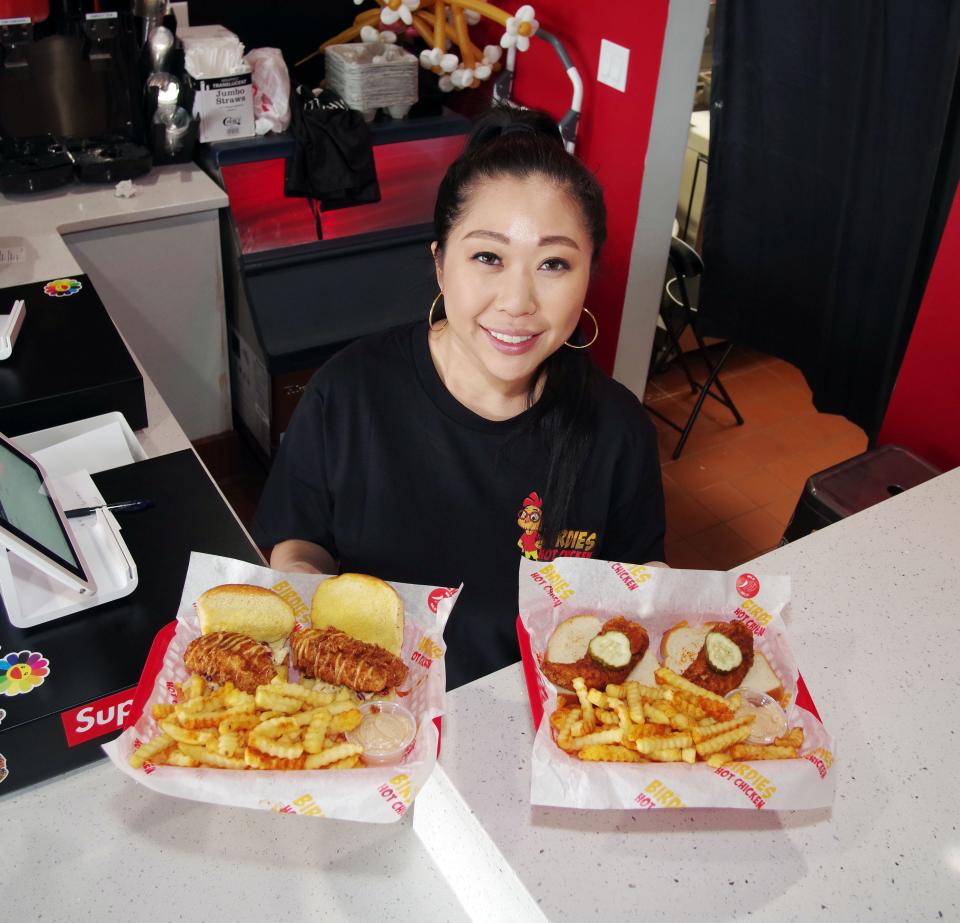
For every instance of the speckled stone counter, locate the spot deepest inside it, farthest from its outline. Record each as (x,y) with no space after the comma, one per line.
(875,629)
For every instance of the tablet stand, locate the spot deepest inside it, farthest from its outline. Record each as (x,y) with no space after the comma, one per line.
(31,597)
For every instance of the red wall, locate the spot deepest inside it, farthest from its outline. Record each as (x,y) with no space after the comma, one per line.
(924,412)
(614,127)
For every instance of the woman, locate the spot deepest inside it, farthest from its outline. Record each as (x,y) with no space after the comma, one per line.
(444,451)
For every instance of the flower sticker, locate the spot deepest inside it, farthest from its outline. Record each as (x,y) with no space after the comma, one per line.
(519,29)
(61,288)
(22,671)
(393,10)
(4,772)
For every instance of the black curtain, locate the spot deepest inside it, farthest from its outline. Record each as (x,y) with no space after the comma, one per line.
(834,157)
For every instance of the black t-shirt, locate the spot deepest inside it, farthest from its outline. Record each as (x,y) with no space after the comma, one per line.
(385,469)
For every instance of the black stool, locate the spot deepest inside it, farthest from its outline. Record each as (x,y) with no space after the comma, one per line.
(854,485)
(688,267)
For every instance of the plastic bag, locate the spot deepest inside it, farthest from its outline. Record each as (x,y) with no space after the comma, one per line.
(271,90)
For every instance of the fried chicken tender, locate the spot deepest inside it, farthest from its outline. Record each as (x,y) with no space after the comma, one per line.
(701,673)
(333,656)
(595,675)
(229,655)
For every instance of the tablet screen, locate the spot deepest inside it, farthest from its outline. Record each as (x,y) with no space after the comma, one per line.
(27,511)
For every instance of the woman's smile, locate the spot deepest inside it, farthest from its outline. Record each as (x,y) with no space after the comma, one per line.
(511,344)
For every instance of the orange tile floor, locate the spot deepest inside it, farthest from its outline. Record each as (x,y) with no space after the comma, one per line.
(733,490)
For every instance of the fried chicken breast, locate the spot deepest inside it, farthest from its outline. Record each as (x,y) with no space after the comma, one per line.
(701,673)
(335,657)
(229,655)
(595,675)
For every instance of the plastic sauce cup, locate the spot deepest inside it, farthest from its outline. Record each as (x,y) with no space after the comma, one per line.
(386,732)
(771,720)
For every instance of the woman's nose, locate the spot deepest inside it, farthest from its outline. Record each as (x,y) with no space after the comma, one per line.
(517,295)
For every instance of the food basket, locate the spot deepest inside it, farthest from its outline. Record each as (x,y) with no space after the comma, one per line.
(659,598)
(372,75)
(376,794)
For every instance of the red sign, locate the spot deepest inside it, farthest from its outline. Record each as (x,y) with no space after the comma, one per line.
(103,716)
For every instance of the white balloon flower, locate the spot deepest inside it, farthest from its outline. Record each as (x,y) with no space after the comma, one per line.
(395,10)
(519,29)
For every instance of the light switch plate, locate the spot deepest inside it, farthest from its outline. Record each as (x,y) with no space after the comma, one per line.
(614,60)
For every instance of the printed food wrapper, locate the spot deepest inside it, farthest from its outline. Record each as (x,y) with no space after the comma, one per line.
(372,794)
(659,598)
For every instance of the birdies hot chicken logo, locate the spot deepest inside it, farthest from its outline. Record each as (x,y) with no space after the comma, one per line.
(570,543)
(528,519)
(441,592)
(748,586)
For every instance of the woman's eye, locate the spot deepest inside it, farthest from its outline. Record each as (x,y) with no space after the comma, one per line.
(487,258)
(555,265)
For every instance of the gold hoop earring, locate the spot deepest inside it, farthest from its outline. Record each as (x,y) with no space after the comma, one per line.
(596,333)
(430,316)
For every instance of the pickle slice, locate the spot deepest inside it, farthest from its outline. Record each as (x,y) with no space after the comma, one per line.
(611,649)
(723,655)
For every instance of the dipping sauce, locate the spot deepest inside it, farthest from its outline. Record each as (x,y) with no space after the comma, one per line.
(770,722)
(386,732)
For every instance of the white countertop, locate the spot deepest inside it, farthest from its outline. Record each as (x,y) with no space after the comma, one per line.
(874,627)
(36,222)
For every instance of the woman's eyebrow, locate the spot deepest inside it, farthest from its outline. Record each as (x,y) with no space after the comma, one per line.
(548,241)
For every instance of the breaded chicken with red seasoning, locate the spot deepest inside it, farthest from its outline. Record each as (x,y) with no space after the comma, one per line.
(335,657)
(595,675)
(701,673)
(229,655)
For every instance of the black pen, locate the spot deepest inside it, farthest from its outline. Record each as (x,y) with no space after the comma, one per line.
(123,506)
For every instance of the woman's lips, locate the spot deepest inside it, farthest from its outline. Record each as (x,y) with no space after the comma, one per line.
(513,344)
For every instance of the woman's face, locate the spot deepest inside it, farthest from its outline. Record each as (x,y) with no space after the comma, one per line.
(514,274)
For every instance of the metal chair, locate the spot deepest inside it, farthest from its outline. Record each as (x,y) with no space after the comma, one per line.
(688,267)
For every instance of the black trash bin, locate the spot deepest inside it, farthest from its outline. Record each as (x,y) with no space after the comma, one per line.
(855,484)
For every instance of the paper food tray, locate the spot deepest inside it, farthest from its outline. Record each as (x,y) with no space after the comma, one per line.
(551,592)
(375,794)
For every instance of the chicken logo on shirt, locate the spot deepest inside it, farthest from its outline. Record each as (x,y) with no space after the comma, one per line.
(528,519)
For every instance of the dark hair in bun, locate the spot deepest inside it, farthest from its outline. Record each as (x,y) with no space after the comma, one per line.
(519,143)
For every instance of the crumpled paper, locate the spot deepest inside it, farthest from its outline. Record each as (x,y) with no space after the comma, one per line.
(550,592)
(373,794)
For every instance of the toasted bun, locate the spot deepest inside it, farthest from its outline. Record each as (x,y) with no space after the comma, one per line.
(680,645)
(763,677)
(570,638)
(365,607)
(253,611)
(645,669)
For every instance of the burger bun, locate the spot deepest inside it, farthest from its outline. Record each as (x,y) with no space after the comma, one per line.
(365,607)
(254,611)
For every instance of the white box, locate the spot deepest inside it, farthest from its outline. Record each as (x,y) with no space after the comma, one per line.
(225,106)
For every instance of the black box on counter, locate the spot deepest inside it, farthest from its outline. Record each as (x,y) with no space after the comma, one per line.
(69,361)
(66,686)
